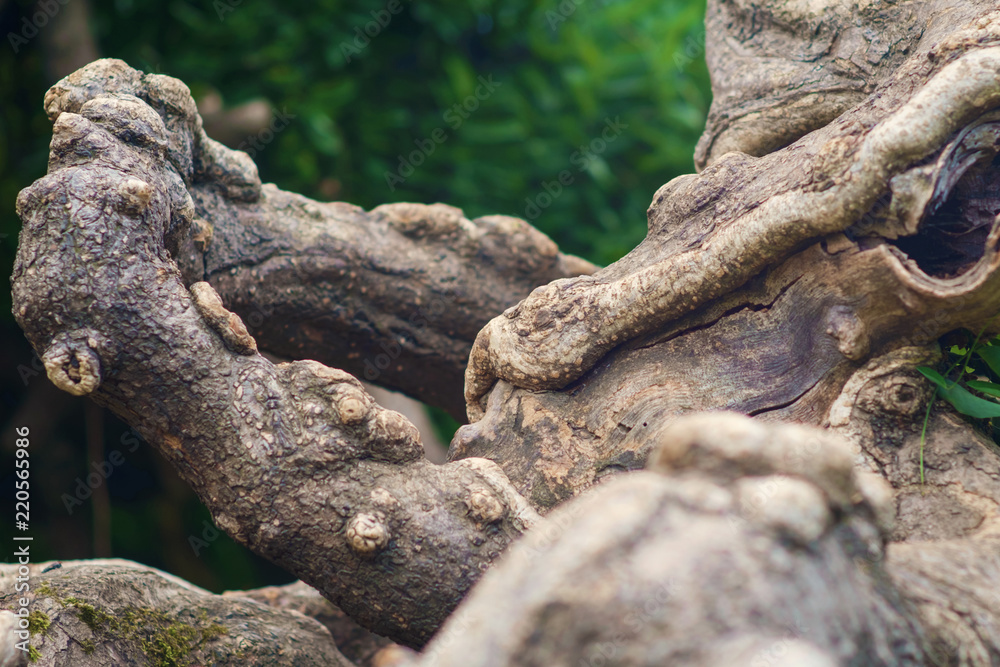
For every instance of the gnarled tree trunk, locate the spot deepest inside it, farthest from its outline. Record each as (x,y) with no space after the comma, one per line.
(845,217)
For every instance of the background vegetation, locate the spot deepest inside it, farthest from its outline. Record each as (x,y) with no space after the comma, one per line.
(564,69)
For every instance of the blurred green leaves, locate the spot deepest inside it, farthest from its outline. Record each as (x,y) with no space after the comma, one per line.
(606,58)
(560,81)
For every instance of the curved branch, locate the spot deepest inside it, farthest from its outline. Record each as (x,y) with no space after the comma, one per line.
(394,296)
(921,259)
(357,644)
(782,70)
(293,460)
(743,551)
(699,249)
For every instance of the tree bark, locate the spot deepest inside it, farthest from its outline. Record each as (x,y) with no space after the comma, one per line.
(763,285)
(358,645)
(394,296)
(805,285)
(846,216)
(113,612)
(367,521)
(739,547)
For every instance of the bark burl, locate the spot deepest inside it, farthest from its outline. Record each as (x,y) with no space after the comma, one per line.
(844,218)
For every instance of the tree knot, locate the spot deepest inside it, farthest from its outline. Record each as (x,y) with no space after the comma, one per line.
(367,534)
(228,325)
(73,364)
(484,508)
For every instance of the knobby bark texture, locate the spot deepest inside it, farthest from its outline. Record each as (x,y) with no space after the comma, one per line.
(395,296)
(358,645)
(739,546)
(294,460)
(804,285)
(764,284)
(844,218)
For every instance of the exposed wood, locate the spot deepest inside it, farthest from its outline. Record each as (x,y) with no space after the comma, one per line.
(741,549)
(714,311)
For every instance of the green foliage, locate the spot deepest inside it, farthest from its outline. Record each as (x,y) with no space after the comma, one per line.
(961,398)
(564,67)
(558,77)
(973,366)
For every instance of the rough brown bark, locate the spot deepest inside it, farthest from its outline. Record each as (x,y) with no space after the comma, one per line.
(783,69)
(366,520)
(742,550)
(804,285)
(358,645)
(763,285)
(394,296)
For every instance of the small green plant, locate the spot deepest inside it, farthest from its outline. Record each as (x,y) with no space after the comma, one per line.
(974,369)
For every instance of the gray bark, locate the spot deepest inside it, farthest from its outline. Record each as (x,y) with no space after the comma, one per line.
(804,285)
(743,550)
(394,296)
(358,645)
(114,612)
(110,313)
